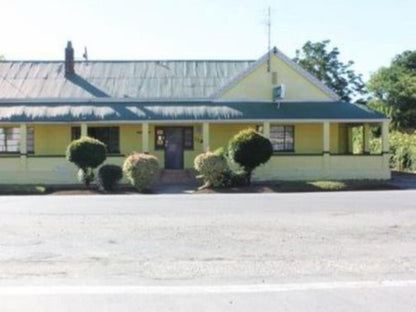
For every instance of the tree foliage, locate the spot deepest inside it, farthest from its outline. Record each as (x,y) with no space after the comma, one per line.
(322,62)
(394,90)
(249,149)
(86,153)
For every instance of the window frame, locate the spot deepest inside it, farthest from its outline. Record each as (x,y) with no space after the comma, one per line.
(285,132)
(76,134)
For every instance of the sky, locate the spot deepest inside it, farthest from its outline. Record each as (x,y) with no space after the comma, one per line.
(369,32)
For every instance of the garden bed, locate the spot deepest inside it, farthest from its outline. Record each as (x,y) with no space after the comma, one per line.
(269,187)
(306,186)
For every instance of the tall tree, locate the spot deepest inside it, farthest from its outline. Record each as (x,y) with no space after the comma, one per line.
(322,61)
(394,90)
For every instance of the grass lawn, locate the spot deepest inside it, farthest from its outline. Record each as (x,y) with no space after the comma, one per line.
(306,186)
(15,189)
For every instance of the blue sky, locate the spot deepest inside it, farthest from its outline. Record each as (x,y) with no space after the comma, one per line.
(369,32)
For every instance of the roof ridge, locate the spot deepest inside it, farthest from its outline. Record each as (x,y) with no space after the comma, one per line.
(127,61)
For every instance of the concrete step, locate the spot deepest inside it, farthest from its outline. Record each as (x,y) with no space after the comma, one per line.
(171,176)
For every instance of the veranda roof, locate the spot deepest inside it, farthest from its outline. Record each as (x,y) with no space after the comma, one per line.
(128,111)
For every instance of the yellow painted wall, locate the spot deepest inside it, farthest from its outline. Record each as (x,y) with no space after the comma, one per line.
(220,134)
(52,139)
(308,138)
(258,84)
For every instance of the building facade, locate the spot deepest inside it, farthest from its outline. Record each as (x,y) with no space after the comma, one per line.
(176,110)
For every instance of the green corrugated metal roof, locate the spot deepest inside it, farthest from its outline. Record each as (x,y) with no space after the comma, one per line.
(98,111)
(185,79)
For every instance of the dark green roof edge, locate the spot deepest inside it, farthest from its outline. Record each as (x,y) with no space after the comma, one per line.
(130,111)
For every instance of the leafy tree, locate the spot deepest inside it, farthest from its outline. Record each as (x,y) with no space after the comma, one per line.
(249,149)
(394,90)
(322,62)
(87,154)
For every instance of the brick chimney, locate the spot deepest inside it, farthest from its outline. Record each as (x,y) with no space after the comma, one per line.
(69,60)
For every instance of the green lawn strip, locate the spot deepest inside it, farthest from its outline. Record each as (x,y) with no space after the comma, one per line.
(326,186)
(23,189)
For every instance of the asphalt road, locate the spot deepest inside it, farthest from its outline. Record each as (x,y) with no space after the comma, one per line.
(300,252)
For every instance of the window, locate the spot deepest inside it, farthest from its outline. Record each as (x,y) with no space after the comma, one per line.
(187,137)
(159,138)
(282,138)
(10,140)
(110,136)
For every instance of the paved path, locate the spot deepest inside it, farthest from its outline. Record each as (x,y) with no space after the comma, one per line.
(211,241)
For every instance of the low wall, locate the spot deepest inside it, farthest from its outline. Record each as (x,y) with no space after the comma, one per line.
(318,167)
(57,170)
(42,170)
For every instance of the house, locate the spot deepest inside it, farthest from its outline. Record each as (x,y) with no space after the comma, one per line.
(177,109)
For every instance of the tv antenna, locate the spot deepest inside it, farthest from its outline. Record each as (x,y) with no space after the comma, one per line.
(269,34)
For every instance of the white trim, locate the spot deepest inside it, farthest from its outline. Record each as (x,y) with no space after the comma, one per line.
(315,81)
(187,121)
(307,75)
(231,83)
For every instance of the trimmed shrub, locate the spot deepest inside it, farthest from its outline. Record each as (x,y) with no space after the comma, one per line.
(213,169)
(221,151)
(141,170)
(109,176)
(86,153)
(249,149)
(85,176)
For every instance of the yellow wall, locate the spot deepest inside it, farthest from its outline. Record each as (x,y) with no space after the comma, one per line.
(52,139)
(308,138)
(258,84)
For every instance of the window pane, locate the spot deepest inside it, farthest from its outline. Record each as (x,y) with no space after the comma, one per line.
(75,133)
(160,138)
(282,138)
(30,140)
(188,140)
(108,135)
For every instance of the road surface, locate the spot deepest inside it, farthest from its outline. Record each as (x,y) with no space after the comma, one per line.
(346,251)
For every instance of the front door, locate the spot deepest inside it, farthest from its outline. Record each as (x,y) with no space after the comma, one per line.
(174,148)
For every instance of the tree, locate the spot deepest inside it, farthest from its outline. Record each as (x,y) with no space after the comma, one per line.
(249,149)
(87,154)
(322,62)
(394,91)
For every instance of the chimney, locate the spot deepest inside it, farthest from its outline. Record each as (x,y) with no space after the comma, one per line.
(69,60)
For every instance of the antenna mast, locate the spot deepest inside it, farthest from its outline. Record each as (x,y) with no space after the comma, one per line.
(269,22)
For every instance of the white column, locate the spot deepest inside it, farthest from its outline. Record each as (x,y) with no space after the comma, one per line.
(145,137)
(205,136)
(326,149)
(23,139)
(385,137)
(366,138)
(350,139)
(266,129)
(23,146)
(84,130)
(385,148)
(326,138)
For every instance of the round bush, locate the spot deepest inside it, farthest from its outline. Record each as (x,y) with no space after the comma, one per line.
(109,176)
(86,176)
(213,169)
(86,153)
(249,149)
(141,170)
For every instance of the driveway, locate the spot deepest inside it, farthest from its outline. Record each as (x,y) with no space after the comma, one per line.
(212,240)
